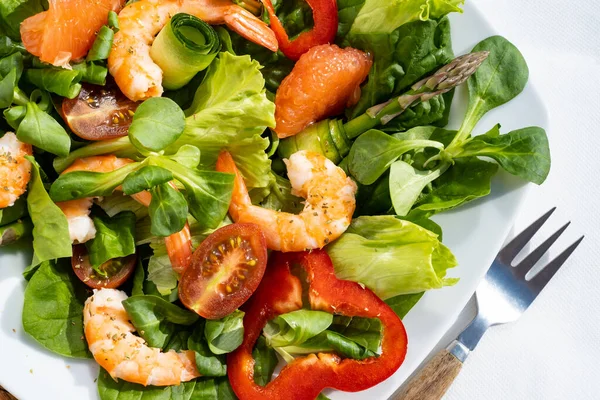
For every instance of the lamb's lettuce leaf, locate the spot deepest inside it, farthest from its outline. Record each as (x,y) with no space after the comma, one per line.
(114,238)
(53,309)
(391,256)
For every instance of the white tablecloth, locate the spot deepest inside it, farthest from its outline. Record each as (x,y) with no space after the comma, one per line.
(553,351)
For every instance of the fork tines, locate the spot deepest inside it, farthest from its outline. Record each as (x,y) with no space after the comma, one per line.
(510,251)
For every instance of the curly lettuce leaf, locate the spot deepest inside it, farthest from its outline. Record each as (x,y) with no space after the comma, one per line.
(391,256)
(384,16)
(230,111)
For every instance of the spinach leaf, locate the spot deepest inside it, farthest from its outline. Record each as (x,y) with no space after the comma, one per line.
(501,78)
(391,256)
(296,327)
(145,178)
(53,309)
(161,273)
(432,112)
(168,210)
(374,152)
(13,12)
(80,184)
(467,180)
(114,238)
(226,334)
(157,123)
(139,275)
(155,319)
(208,364)
(374,199)
(401,58)
(63,82)
(43,131)
(407,183)
(280,197)
(51,239)
(202,388)
(265,361)
(524,152)
(347,12)
(403,303)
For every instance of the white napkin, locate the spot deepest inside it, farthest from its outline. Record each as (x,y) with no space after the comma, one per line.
(553,351)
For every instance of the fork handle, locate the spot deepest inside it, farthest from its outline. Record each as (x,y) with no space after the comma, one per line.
(438,374)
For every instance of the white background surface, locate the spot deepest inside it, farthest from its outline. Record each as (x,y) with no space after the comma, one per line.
(553,351)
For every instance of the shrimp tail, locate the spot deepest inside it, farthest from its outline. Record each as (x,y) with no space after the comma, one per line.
(240,197)
(249,27)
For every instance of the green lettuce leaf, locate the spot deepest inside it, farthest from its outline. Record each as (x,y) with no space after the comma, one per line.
(226,334)
(114,238)
(231,114)
(385,16)
(296,327)
(391,256)
(13,12)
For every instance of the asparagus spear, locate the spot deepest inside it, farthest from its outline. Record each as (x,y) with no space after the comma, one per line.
(445,79)
(10,233)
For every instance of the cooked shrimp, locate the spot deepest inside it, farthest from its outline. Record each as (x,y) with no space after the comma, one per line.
(328,209)
(122,354)
(81,226)
(15,169)
(130,62)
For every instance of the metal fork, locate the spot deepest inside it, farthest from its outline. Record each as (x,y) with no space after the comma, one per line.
(503,295)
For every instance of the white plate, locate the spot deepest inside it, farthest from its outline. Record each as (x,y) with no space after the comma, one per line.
(474,233)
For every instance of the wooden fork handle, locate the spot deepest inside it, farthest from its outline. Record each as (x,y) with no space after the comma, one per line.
(435,378)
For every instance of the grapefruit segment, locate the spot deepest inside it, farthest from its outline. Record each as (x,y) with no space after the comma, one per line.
(67,30)
(323,82)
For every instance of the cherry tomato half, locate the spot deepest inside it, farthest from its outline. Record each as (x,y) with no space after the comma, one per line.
(225,270)
(117,270)
(99,112)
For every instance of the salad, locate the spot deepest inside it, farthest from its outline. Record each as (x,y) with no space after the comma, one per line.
(233,199)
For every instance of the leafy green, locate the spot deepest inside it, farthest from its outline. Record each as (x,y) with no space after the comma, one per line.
(328,341)
(168,210)
(155,319)
(385,16)
(524,152)
(391,256)
(407,183)
(296,327)
(403,303)
(91,72)
(157,123)
(53,309)
(265,361)
(231,114)
(81,184)
(205,389)
(119,202)
(208,364)
(43,131)
(501,78)
(115,237)
(226,334)
(364,331)
(160,271)
(102,44)
(63,82)
(146,178)
(187,155)
(13,12)
(51,239)
(347,12)
(375,151)
(401,58)
(467,180)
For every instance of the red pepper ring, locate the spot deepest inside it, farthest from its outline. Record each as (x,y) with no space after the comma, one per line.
(304,378)
(325,16)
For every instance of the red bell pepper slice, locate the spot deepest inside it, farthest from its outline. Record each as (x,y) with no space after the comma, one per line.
(325,16)
(304,378)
